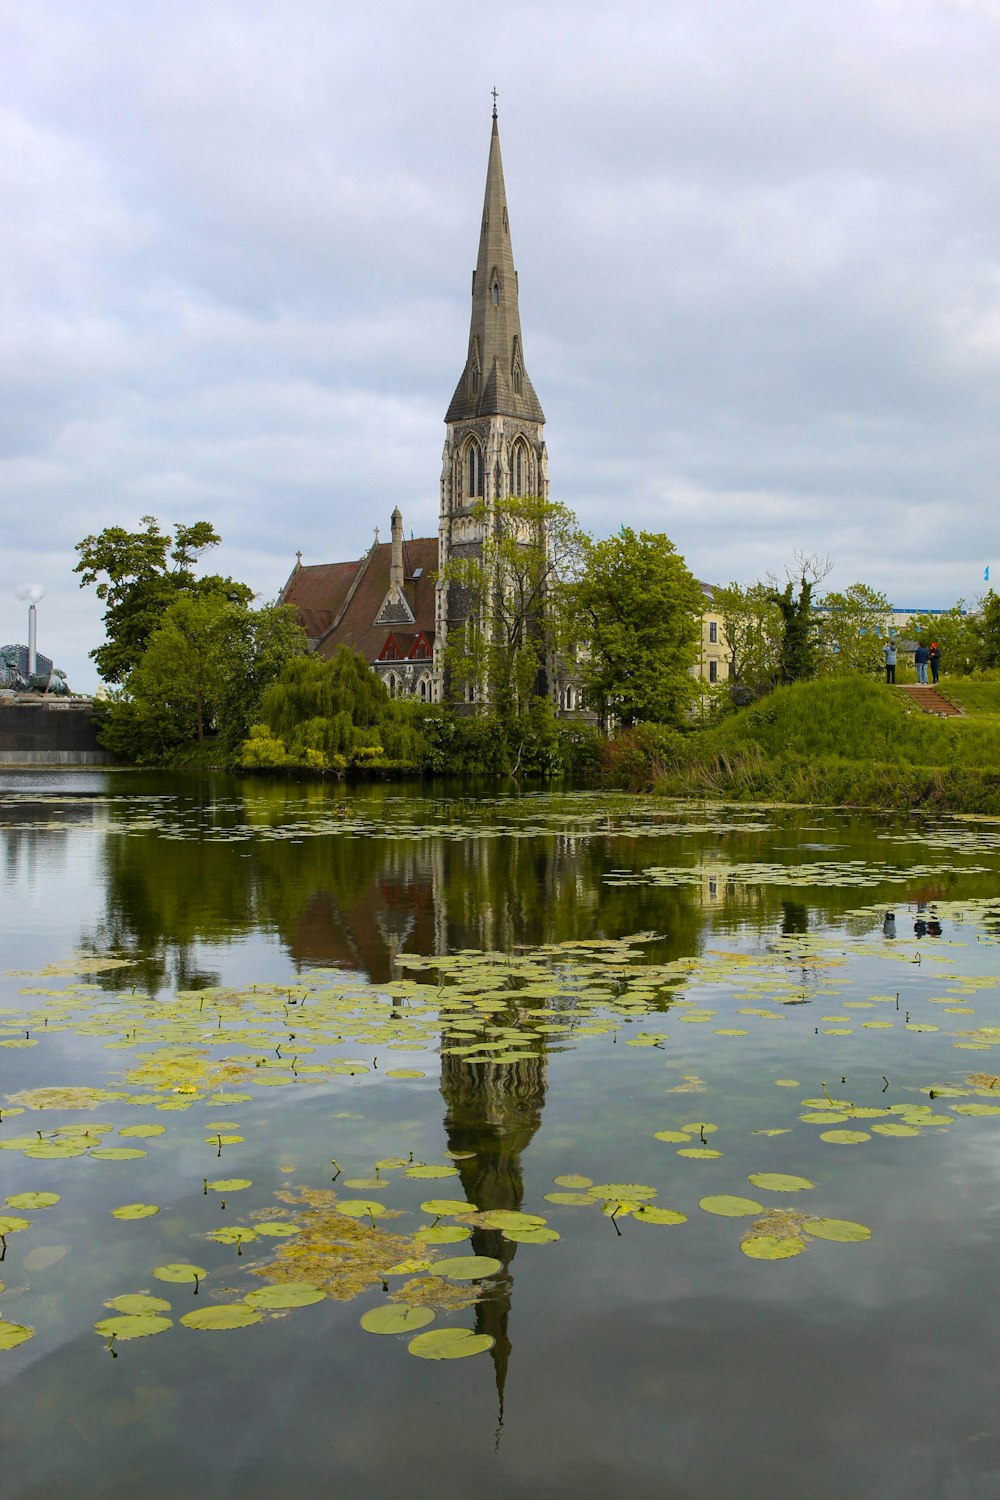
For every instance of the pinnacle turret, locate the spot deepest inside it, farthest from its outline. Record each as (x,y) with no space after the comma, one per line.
(494,381)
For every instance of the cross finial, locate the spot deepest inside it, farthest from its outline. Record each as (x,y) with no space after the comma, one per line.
(494,93)
(298,558)
(376,533)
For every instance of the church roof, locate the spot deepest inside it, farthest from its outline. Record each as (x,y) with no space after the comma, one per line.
(337,603)
(494,366)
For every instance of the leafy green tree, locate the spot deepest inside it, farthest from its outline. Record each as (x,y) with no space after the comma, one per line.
(753,627)
(958,633)
(850,630)
(640,609)
(139,574)
(334,713)
(517,589)
(256,645)
(988,630)
(797,655)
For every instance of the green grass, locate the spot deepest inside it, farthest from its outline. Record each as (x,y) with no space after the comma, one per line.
(845,740)
(972,696)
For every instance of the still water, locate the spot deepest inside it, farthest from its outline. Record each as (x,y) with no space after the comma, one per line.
(679,1122)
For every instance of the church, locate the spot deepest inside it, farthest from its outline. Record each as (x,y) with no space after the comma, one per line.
(393,605)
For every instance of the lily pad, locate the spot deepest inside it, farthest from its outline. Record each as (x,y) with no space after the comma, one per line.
(779,1182)
(135,1211)
(32,1200)
(845,1137)
(673,1137)
(531,1234)
(223,1316)
(117,1153)
(12,1334)
(570,1200)
(845,1231)
(573,1180)
(699,1153)
(431,1171)
(12,1224)
(448,1343)
(398,1318)
(635,1191)
(277,1229)
(467,1267)
(441,1234)
(137,1302)
(179,1271)
(772,1246)
(648,1213)
(229,1184)
(448,1206)
(361,1208)
(286,1294)
(132,1326)
(729,1206)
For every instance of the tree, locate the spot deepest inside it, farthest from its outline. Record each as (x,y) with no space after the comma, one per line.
(797,653)
(139,574)
(988,630)
(851,628)
(517,590)
(958,633)
(640,611)
(752,625)
(256,646)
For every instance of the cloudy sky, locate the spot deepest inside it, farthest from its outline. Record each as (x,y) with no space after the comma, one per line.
(758,248)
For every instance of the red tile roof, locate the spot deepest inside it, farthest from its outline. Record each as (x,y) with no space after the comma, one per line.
(338,602)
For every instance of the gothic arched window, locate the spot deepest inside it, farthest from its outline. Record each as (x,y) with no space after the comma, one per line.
(474,464)
(496,294)
(519,470)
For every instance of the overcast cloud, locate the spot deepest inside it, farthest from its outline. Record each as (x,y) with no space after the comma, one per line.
(758,249)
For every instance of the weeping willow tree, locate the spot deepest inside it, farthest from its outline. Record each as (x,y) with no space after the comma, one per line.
(330,715)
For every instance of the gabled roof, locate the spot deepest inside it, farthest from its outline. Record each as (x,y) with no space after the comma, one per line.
(343,599)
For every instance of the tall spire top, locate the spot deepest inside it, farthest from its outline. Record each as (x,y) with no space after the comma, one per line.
(494,381)
(494,102)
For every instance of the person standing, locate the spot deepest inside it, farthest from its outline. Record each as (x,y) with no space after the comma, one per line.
(935,660)
(889,652)
(920,660)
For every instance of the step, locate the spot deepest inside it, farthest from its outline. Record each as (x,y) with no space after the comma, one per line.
(929,700)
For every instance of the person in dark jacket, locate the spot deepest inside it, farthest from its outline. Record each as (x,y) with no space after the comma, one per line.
(935,660)
(920,660)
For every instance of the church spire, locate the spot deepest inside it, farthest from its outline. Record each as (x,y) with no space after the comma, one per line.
(494,381)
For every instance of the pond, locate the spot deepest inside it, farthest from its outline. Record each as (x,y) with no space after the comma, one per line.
(404,1141)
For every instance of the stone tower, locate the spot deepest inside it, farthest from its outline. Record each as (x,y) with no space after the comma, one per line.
(494,445)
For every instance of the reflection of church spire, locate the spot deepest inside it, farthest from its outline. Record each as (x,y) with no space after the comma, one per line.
(493,1111)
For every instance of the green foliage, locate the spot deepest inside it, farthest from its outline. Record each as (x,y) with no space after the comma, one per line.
(204,667)
(842,739)
(517,587)
(640,610)
(850,630)
(988,630)
(534,743)
(753,628)
(139,574)
(957,633)
(797,650)
(333,715)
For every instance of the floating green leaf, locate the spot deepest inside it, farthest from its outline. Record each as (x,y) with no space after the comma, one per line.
(12,1334)
(573,1180)
(32,1200)
(448,1343)
(648,1213)
(223,1316)
(730,1207)
(467,1267)
(772,1246)
(448,1206)
(779,1182)
(285,1294)
(132,1326)
(135,1211)
(12,1224)
(229,1184)
(530,1234)
(179,1271)
(843,1230)
(137,1302)
(396,1318)
(570,1200)
(845,1137)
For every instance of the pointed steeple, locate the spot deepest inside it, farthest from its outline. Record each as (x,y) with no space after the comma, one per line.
(494,381)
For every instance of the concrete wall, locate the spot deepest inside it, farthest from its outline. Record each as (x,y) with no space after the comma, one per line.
(36,731)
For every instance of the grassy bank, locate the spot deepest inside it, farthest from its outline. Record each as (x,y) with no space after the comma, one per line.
(849,741)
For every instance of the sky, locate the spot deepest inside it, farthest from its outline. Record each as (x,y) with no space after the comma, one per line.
(758,250)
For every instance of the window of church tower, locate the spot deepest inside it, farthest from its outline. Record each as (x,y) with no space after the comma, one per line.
(475,470)
(519,476)
(496,294)
(517,380)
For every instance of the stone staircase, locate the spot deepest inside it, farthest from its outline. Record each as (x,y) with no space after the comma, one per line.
(929,700)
